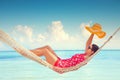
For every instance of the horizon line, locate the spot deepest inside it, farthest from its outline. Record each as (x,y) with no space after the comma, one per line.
(66,50)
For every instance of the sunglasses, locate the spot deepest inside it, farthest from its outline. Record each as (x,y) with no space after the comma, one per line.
(89,47)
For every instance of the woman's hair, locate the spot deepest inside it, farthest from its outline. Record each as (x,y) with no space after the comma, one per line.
(94,47)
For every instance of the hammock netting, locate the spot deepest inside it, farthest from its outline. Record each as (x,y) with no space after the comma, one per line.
(4,37)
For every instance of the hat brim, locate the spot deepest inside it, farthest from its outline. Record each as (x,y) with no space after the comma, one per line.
(89,29)
(101,34)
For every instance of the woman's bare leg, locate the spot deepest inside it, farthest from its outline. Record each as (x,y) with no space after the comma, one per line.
(50,57)
(46,51)
(38,50)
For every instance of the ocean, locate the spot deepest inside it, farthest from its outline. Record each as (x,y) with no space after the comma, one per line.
(104,66)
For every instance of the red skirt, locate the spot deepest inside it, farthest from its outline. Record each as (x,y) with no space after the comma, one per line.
(74,60)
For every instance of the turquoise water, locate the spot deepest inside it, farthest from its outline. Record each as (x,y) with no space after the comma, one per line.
(104,66)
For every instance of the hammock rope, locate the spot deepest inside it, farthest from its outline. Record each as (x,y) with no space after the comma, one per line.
(4,37)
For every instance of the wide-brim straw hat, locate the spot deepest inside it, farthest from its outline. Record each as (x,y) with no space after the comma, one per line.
(96,29)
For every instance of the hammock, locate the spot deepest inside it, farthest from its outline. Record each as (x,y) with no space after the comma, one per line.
(4,37)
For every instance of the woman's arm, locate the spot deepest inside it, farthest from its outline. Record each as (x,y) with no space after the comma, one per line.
(89,41)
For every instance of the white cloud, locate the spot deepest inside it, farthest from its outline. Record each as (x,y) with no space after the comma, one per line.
(40,38)
(55,36)
(23,33)
(57,33)
(58,36)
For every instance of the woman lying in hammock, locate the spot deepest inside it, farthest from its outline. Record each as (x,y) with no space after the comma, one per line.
(54,60)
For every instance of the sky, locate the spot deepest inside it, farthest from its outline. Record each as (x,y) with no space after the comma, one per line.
(59,23)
